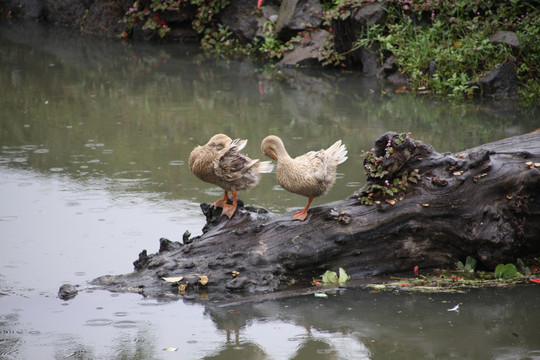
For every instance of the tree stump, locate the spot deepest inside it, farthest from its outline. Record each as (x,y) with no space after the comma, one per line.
(418,208)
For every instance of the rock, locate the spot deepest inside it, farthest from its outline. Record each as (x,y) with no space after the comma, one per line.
(297,15)
(506,37)
(369,60)
(269,15)
(101,18)
(369,14)
(390,74)
(26,9)
(307,52)
(67,292)
(432,67)
(241,17)
(66,13)
(501,82)
(348,31)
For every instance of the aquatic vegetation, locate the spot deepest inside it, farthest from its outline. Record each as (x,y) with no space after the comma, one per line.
(381,186)
(470,264)
(465,278)
(508,271)
(331,277)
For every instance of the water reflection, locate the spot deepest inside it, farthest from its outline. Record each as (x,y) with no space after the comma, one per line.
(358,324)
(354,324)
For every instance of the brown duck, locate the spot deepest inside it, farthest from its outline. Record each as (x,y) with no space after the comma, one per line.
(220,162)
(312,174)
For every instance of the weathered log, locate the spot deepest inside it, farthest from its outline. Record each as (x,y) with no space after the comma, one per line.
(483,202)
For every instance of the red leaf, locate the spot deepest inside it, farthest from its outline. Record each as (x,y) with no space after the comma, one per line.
(535,280)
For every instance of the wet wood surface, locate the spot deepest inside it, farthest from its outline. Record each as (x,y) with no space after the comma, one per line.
(482,202)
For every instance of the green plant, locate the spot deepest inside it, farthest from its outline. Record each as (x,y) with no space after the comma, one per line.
(506,272)
(444,46)
(470,264)
(271,45)
(380,186)
(331,277)
(152,14)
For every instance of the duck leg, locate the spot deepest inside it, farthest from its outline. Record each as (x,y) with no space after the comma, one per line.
(230,209)
(302,214)
(221,202)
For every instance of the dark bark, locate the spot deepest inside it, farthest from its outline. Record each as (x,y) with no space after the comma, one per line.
(483,202)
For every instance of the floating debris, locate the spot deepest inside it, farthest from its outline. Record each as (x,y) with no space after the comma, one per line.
(174,279)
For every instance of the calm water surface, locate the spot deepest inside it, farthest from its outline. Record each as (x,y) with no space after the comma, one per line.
(94,141)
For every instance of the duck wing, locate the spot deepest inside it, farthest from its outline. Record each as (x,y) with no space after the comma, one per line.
(231,165)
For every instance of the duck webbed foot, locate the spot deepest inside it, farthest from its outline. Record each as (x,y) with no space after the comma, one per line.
(229,210)
(221,202)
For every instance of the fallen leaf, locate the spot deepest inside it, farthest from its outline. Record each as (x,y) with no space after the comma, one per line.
(425,205)
(534,280)
(460,155)
(509,197)
(235,273)
(321,295)
(170,349)
(203,280)
(400,89)
(458,173)
(391,201)
(455,308)
(182,287)
(343,277)
(174,279)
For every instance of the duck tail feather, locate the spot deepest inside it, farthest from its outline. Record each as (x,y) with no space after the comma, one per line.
(338,152)
(266,167)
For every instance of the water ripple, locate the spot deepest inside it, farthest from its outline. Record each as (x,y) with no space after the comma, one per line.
(176,163)
(98,322)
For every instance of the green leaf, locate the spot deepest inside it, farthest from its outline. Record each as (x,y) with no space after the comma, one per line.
(343,277)
(330,277)
(507,271)
(470,263)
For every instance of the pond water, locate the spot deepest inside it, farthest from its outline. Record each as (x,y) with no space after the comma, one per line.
(94,141)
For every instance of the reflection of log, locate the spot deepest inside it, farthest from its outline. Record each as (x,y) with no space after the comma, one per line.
(483,202)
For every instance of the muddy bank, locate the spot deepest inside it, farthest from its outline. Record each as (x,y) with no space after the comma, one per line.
(482,202)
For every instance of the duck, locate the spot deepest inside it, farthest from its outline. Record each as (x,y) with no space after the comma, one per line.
(220,162)
(312,174)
